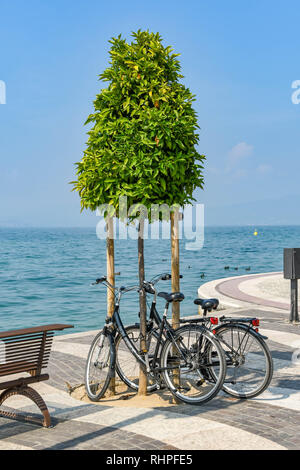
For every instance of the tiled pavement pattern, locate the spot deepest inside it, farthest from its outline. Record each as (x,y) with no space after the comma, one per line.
(271,420)
(78,435)
(65,368)
(277,424)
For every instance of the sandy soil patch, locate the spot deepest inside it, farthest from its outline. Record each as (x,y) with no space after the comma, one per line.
(126,397)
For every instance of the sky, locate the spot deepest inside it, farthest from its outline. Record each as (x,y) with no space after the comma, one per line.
(240,59)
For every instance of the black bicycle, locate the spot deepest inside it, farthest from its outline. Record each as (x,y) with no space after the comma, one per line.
(189,360)
(127,366)
(248,358)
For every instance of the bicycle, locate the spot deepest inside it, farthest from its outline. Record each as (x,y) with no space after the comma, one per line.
(128,369)
(248,359)
(189,361)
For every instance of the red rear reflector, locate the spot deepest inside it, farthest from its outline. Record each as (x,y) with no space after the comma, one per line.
(214,332)
(255,322)
(214,320)
(256,329)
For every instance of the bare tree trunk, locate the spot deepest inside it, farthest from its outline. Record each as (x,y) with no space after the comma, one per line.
(175,265)
(110,274)
(175,283)
(143,308)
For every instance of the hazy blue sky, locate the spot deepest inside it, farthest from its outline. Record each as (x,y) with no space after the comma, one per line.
(239,58)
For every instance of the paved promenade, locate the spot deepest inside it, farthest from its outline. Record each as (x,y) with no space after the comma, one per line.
(263,290)
(271,421)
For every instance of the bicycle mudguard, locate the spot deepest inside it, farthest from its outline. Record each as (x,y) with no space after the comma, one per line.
(262,336)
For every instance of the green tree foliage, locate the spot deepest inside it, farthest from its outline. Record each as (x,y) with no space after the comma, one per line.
(143,140)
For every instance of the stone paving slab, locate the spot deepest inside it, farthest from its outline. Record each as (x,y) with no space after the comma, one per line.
(65,368)
(210,289)
(256,417)
(83,340)
(188,428)
(74,435)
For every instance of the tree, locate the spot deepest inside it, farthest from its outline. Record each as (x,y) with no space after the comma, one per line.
(110,274)
(143,140)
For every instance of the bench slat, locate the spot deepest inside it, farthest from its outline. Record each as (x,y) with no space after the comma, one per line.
(36,329)
(32,359)
(10,348)
(22,366)
(24,347)
(25,339)
(24,354)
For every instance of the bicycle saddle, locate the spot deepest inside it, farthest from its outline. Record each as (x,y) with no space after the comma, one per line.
(207,304)
(173,297)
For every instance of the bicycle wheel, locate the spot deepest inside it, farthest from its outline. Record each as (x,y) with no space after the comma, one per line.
(196,372)
(127,366)
(249,361)
(100,365)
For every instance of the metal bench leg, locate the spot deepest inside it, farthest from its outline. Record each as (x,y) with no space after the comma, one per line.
(33,395)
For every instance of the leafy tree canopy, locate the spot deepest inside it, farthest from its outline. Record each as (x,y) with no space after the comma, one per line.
(143,138)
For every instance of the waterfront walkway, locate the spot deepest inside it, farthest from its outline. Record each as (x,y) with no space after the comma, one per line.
(271,421)
(262,290)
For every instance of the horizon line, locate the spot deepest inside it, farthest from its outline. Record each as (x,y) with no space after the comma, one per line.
(91,226)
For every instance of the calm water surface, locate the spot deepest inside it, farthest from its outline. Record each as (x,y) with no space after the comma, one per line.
(45,274)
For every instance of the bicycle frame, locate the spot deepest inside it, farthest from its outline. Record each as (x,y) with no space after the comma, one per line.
(117,325)
(165,331)
(114,323)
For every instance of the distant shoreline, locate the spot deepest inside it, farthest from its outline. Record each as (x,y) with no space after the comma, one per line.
(58,227)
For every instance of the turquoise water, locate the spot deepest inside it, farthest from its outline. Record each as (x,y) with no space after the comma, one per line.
(45,274)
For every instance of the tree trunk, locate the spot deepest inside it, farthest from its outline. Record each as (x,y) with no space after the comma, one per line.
(175,265)
(175,283)
(143,308)
(110,274)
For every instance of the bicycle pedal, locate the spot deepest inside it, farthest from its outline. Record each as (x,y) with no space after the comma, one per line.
(186,389)
(200,382)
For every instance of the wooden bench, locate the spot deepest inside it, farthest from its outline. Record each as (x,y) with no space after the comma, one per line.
(26,351)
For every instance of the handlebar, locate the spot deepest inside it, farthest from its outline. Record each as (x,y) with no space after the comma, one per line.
(120,290)
(99,280)
(148,286)
(162,277)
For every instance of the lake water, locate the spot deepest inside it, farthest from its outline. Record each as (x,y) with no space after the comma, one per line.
(45,274)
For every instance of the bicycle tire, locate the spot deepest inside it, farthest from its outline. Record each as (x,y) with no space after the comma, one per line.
(130,374)
(105,342)
(256,357)
(202,380)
